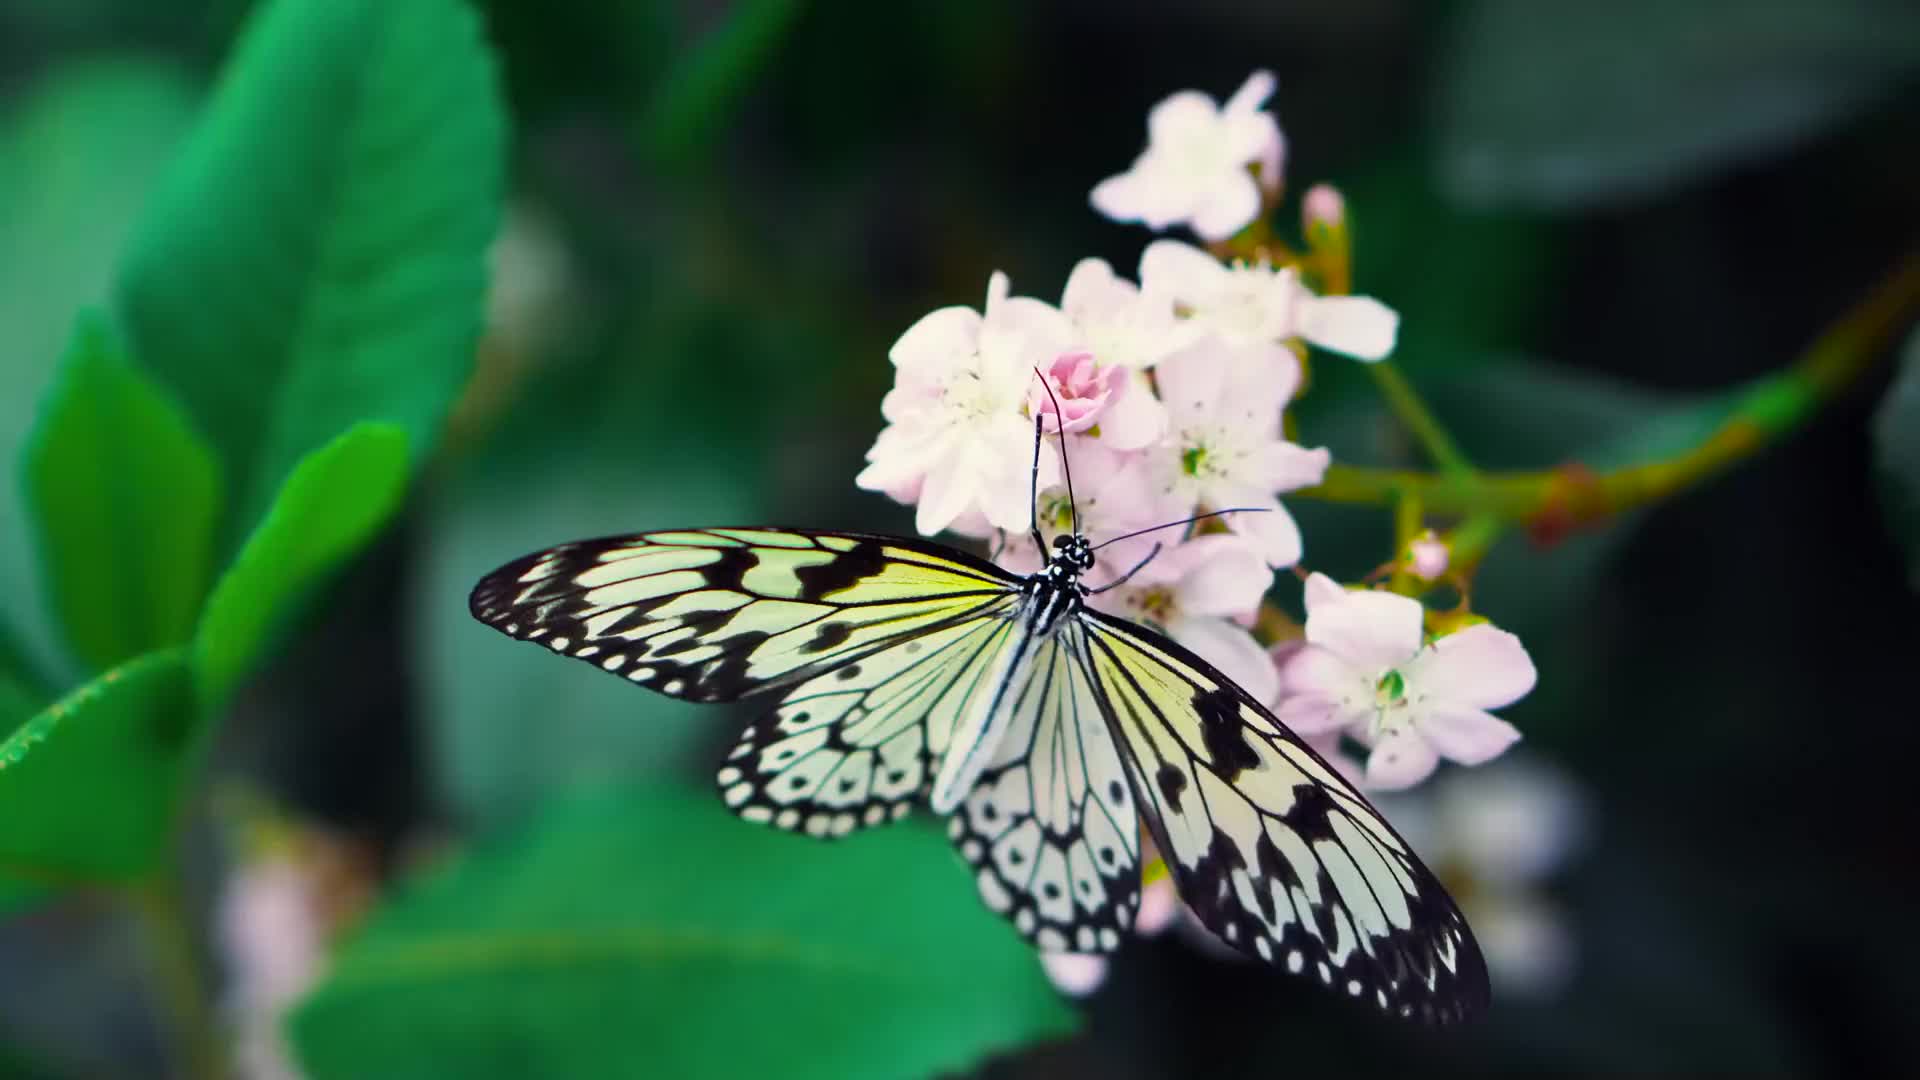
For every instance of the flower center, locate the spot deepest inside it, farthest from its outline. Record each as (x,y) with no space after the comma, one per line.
(1192,459)
(1391,690)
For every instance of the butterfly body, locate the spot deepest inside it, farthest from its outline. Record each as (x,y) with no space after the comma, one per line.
(902,671)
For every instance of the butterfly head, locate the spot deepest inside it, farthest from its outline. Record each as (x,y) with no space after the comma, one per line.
(1072,552)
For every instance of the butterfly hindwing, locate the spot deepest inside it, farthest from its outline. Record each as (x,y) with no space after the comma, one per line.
(1050,828)
(1275,852)
(718,614)
(857,745)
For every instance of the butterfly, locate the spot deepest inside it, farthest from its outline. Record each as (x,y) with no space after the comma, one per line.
(899,670)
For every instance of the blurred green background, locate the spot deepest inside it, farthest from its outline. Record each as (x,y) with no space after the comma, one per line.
(313,311)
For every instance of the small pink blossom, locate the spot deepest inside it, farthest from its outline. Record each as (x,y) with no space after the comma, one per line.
(1197,166)
(1226,449)
(1427,557)
(1366,672)
(1323,205)
(1081,391)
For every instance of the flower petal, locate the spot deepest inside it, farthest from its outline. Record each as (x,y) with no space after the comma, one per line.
(1321,589)
(1400,760)
(1220,574)
(1173,271)
(939,341)
(1468,736)
(1481,666)
(1134,419)
(1253,93)
(1374,631)
(1274,532)
(1159,907)
(1359,326)
(1180,116)
(1226,207)
(1231,649)
(1285,466)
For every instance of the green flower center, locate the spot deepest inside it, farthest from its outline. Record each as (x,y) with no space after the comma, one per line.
(1192,458)
(1390,690)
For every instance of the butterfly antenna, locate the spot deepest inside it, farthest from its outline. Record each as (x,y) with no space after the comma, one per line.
(1033,494)
(1186,521)
(1060,421)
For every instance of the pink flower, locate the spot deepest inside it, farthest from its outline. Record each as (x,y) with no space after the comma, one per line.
(1195,169)
(1226,448)
(1366,672)
(1081,390)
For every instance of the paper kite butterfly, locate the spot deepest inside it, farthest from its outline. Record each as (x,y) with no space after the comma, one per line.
(898,670)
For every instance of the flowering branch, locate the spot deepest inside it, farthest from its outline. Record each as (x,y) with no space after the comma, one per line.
(1555,501)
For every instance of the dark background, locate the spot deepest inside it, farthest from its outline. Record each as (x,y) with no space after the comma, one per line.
(1588,215)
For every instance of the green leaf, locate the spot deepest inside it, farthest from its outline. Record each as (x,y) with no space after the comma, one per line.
(78,155)
(88,788)
(1568,103)
(652,934)
(317,255)
(333,503)
(124,497)
(1896,456)
(690,109)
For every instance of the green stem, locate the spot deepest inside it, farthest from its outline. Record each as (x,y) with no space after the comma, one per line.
(1413,412)
(181,982)
(1755,416)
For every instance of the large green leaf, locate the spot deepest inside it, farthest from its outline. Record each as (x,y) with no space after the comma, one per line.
(654,935)
(1569,103)
(124,497)
(331,505)
(1896,452)
(89,786)
(78,154)
(317,255)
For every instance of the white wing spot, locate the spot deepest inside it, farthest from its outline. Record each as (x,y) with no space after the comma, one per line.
(613,661)
(738,794)
(1295,961)
(759,815)
(788,818)
(673,686)
(1051,940)
(1109,939)
(1264,948)
(1353,987)
(729,774)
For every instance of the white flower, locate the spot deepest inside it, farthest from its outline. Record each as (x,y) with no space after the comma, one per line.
(1248,302)
(1225,448)
(957,442)
(1193,591)
(1366,671)
(1196,166)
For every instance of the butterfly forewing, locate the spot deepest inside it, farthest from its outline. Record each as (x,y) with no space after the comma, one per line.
(1050,828)
(1273,850)
(718,614)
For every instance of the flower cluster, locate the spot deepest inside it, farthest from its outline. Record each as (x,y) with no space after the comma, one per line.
(1167,393)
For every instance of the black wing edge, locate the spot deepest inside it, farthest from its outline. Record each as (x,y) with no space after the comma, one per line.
(1474,991)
